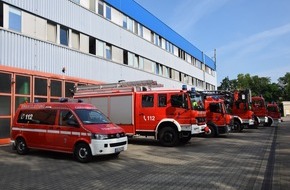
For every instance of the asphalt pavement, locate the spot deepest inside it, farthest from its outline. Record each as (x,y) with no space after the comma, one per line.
(253,159)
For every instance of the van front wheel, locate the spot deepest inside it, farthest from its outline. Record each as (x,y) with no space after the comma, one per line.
(21,146)
(83,153)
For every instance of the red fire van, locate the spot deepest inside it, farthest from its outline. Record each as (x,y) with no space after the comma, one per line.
(69,127)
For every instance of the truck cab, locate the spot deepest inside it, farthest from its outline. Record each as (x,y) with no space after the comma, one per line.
(274,114)
(218,119)
(260,110)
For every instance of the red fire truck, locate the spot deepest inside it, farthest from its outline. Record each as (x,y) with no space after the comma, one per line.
(238,105)
(168,115)
(260,110)
(274,114)
(218,119)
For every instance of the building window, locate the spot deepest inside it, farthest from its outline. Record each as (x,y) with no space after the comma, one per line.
(76,1)
(125,55)
(75,40)
(69,87)
(130,59)
(136,61)
(1,14)
(14,19)
(40,87)
(141,63)
(101,8)
(92,46)
(108,12)
(51,32)
(108,51)
(100,48)
(63,36)
(55,88)
(125,22)
(22,85)
(5,105)
(5,128)
(130,24)
(5,85)
(140,30)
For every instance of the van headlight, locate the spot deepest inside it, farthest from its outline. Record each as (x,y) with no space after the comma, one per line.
(99,136)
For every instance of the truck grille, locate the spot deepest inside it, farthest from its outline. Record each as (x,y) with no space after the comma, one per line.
(200,119)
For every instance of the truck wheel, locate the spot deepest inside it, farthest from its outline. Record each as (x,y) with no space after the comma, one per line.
(212,132)
(83,153)
(237,126)
(270,122)
(21,146)
(168,136)
(185,140)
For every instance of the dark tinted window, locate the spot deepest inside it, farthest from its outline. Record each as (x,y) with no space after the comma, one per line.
(63,35)
(40,87)
(65,116)
(162,100)
(5,105)
(176,101)
(55,88)
(148,100)
(5,84)
(4,128)
(46,117)
(215,108)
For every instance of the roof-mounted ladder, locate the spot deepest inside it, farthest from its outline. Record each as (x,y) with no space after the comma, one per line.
(142,85)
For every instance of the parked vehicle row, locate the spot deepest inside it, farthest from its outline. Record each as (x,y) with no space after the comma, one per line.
(102,117)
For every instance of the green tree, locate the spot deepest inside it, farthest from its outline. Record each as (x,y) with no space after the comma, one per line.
(228,84)
(260,86)
(284,83)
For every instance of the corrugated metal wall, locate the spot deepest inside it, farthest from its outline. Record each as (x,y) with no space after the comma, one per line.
(29,53)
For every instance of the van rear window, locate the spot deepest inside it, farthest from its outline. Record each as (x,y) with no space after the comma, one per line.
(45,117)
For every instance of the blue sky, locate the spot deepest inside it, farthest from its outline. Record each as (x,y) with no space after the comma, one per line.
(250,36)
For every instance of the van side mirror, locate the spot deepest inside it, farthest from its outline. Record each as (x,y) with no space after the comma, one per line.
(72,122)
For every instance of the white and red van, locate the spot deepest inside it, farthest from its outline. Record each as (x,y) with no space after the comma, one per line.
(70,127)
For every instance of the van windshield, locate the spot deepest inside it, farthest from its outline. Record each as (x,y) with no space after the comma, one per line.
(88,116)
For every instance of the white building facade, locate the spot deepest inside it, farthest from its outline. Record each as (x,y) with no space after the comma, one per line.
(48,46)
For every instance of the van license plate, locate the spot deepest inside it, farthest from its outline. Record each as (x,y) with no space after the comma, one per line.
(119,149)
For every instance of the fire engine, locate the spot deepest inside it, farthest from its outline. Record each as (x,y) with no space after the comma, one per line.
(274,114)
(218,119)
(260,110)
(238,105)
(167,115)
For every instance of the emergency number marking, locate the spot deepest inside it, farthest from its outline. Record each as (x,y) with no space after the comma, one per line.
(27,116)
(149,118)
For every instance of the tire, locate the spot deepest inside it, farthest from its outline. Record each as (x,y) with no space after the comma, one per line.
(83,153)
(212,133)
(168,136)
(21,146)
(237,126)
(185,140)
(270,122)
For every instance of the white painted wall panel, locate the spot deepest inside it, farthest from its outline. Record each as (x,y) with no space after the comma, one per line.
(78,18)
